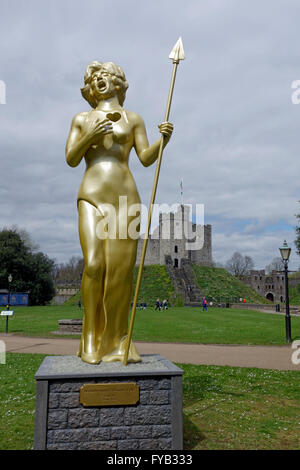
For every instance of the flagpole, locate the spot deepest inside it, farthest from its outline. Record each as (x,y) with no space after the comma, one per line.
(181,190)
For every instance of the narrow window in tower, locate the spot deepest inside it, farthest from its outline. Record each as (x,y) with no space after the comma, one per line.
(176,249)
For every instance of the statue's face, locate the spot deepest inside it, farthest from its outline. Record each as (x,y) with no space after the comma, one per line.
(102,84)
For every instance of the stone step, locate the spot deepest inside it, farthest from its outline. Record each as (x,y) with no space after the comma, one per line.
(184,282)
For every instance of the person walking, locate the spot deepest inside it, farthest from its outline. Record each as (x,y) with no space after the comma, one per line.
(204,304)
(157,304)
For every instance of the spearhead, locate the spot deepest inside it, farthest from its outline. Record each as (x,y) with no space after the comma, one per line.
(177,52)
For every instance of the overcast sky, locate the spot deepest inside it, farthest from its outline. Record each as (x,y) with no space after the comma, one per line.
(236,143)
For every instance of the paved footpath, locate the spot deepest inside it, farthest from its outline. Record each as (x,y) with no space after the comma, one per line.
(265,357)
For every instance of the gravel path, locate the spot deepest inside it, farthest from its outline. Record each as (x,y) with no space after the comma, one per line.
(265,357)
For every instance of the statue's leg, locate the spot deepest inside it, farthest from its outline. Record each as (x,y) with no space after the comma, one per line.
(92,282)
(120,262)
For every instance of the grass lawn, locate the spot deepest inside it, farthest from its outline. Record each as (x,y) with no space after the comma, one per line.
(178,324)
(39,321)
(240,408)
(223,407)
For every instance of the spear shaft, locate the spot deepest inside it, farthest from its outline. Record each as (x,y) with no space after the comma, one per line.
(177,54)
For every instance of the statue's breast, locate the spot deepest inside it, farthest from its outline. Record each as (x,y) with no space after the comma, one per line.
(122,133)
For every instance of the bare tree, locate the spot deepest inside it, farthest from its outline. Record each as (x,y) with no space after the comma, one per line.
(249,264)
(275,265)
(239,265)
(70,272)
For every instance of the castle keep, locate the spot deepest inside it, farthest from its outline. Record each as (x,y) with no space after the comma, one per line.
(176,239)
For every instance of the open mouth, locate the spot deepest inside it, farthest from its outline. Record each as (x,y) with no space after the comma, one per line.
(101,85)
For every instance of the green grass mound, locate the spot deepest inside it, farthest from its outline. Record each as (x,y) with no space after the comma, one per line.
(294,295)
(156,283)
(74,299)
(219,285)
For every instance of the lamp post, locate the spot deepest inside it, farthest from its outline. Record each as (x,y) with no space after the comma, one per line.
(9,282)
(285,252)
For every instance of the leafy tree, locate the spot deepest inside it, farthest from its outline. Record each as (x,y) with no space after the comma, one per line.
(239,266)
(31,272)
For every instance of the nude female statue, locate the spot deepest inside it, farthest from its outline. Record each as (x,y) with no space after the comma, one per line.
(105,136)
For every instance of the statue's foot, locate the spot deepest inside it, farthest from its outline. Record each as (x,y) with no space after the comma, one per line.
(90,358)
(120,357)
(119,353)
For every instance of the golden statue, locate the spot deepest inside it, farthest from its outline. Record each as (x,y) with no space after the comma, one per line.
(105,136)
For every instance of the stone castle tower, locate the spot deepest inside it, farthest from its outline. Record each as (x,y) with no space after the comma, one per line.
(177,239)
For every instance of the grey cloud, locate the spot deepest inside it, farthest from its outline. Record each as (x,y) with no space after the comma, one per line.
(236,141)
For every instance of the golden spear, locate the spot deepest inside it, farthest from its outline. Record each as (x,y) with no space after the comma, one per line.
(176,55)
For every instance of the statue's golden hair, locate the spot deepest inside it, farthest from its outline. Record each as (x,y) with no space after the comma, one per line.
(117,73)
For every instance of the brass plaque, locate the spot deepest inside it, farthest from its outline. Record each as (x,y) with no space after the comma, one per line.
(109,394)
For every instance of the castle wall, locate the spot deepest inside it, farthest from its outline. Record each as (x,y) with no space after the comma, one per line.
(203,256)
(171,237)
(152,253)
(265,284)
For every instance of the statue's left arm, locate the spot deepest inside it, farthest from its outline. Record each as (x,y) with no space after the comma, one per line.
(149,153)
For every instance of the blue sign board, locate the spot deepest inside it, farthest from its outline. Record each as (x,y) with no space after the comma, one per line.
(3,299)
(15,299)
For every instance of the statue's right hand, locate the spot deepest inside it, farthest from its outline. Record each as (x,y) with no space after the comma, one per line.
(97,129)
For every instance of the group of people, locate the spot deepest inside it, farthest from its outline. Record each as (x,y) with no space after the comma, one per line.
(158,305)
(141,305)
(161,305)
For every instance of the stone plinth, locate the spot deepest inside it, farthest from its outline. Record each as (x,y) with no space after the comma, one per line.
(154,423)
(70,326)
